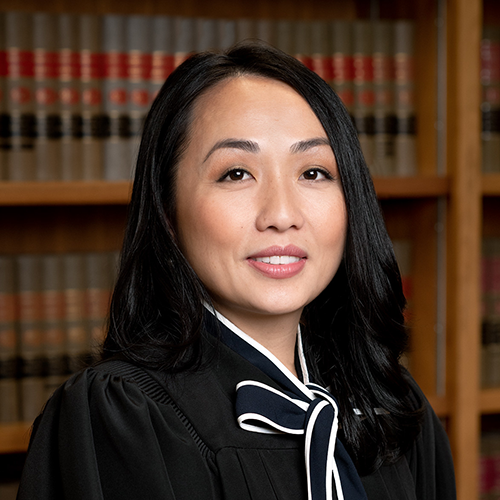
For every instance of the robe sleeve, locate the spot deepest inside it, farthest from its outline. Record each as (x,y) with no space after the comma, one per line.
(101,437)
(430,459)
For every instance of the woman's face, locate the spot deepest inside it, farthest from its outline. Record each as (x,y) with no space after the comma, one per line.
(261,215)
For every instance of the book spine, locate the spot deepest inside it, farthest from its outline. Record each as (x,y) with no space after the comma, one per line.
(342,62)
(491,312)
(162,61)
(52,325)
(48,119)
(383,107)
(490,102)
(245,29)
(70,98)
(99,284)
(184,39)
(139,75)
(77,338)
(404,98)
(226,33)
(285,35)
(363,88)
(117,162)
(302,43)
(9,405)
(32,383)
(206,34)
(265,31)
(321,51)
(21,164)
(4,117)
(93,118)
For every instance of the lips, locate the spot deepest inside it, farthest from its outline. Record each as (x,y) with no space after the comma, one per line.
(279,262)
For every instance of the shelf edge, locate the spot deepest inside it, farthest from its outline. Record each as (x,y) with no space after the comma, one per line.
(490,184)
(65,193)
(489,401)
(411,187)
(14,438)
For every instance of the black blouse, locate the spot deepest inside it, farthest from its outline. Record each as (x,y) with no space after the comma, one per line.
(117,431)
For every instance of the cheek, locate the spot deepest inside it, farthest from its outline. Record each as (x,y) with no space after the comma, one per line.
(208,229)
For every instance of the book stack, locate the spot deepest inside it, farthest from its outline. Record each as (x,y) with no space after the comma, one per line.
(489,467)
(75,89)
(490,351)
(53,310)
(490,102)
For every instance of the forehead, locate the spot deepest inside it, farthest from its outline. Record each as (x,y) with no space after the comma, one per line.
(242,104)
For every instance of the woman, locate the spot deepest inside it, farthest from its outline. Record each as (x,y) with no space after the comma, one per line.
(256,271)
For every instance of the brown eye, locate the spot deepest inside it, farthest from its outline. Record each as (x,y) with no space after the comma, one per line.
(310,175)
(236,175)
(316,174)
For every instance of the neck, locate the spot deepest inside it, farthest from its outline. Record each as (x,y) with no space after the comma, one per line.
(278,334)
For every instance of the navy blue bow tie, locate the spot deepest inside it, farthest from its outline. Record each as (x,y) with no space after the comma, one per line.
(299,408)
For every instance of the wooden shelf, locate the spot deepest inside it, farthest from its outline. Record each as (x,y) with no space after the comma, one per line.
(118,193)
(489,400)
(64,193)
(14,438)
(490,184)
(411,187)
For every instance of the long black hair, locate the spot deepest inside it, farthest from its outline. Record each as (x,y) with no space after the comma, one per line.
(354,331)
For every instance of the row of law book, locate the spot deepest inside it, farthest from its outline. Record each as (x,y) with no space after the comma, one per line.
(75,89)
(490,100)
(490,285)
(53,310)
(489,465)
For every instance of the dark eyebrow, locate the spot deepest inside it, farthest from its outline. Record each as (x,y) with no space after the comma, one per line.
(249,146)
(302,146)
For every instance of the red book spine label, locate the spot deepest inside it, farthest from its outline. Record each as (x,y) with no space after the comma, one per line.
(91,65)
(115,65)
(322,66)
(69,65)
(490,62)
(7,307)
(161,66)
(342,68)
(92,97)
(363,69)
(403,69)
(494,269)
(3,63)
(30,309)
(20,63)
(54,312)
(383,68)
(139,66)
(46,64)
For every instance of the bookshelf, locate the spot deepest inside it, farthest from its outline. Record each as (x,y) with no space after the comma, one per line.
(90,216)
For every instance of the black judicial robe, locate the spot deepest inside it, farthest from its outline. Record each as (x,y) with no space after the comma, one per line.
(117,431)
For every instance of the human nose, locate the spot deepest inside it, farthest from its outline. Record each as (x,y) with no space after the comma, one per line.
(279,208)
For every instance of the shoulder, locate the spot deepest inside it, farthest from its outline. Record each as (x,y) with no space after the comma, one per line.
(429,458)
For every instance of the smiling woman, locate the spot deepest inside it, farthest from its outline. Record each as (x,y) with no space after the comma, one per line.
(257,323)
